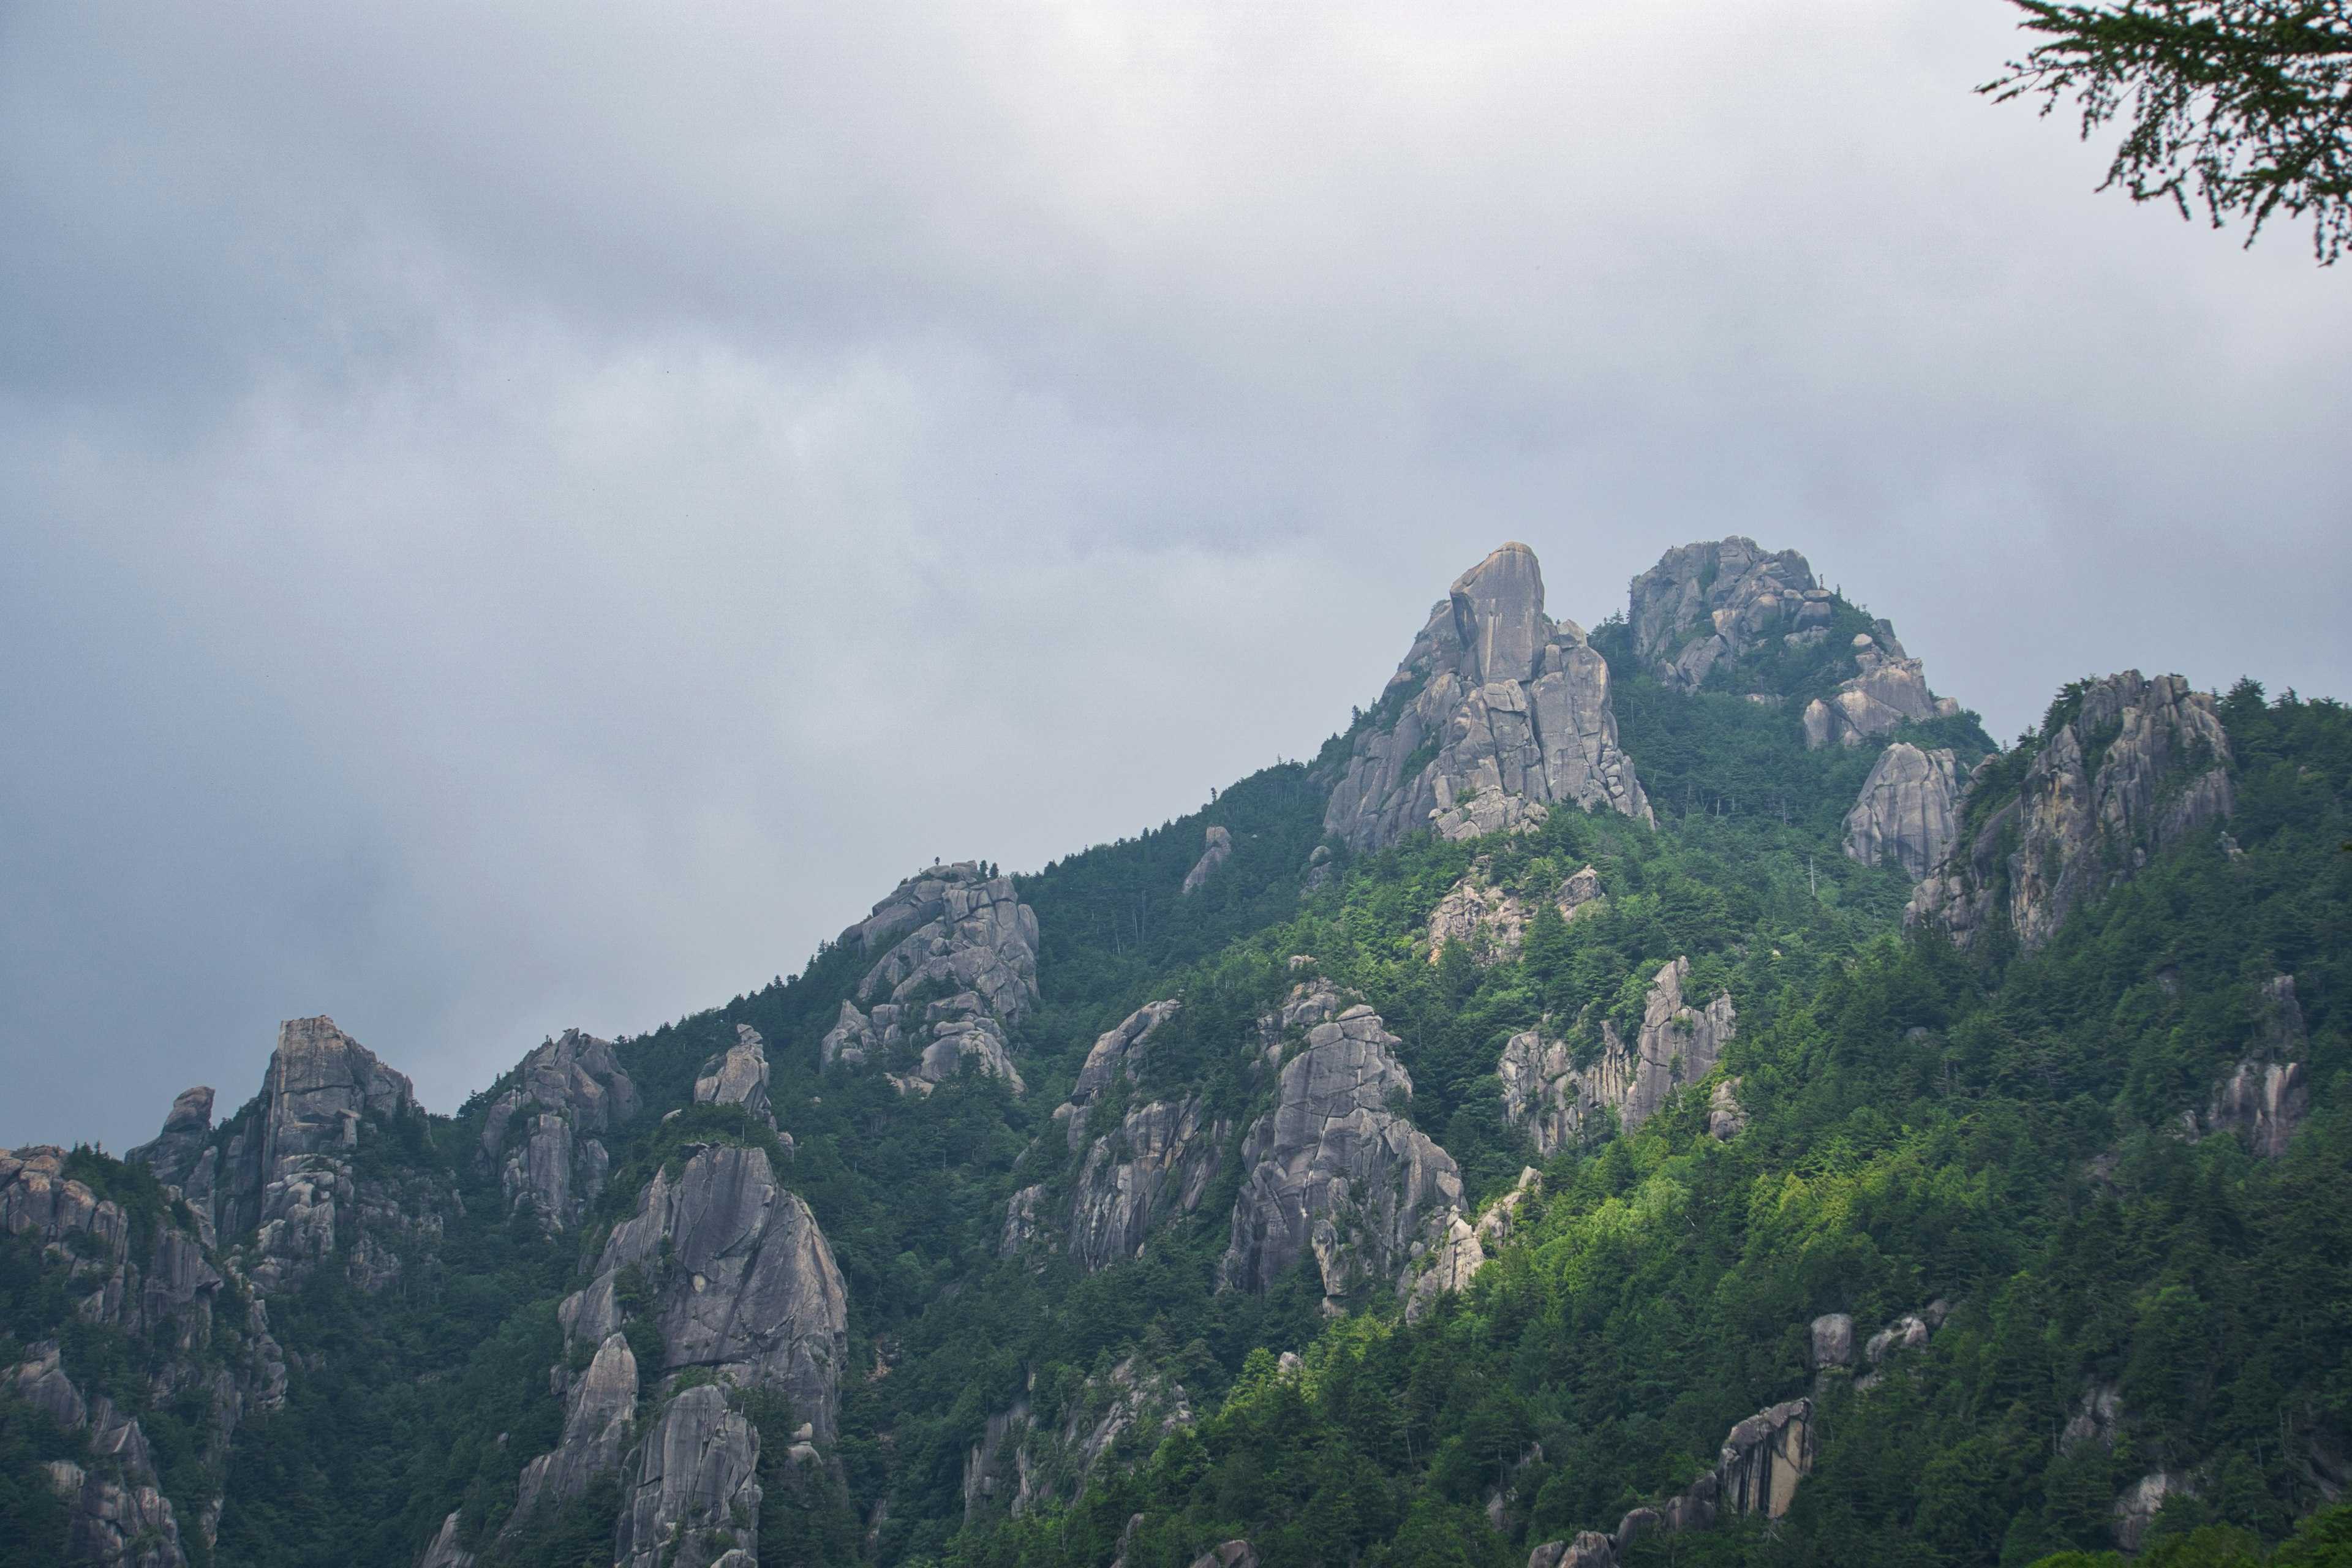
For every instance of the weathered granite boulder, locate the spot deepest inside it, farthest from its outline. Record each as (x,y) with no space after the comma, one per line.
(952,927)
(1715,600)
(1493,703)
(445,1550)
(1726,1118)
(1333,1170)
(1548,1093)
(2135,766)
(568,1091)
(738,1076)
(186,1129)
(1219,851)
(599,1424)
(1887,689)
(1021,1220)
(1833,1340)
(2266,1097)
(1908,810)
(743,1281)
(692,1498)
(1492,922)
(1764,1458)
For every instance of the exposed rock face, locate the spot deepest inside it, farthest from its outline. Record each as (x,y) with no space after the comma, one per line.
(2265,1097)
(1493,703)
(1887,689)
(1762,1461)
(693,1498)
(444,1551)
(738,1076)
(1116,1050)
(1908,810)
(1157,1162)
(1833,1340)
(599,1422)
(287,1178)
(2140,764)
(1219,851)
(117,1516)
(1726,1118)
(1545,1091)
(1711,601)
(568,1091)
(1028,1464)
(743,1281)
(1492,922)
(2136,1509)
(1333,1170)
(1021,1219)
(961,930)
(185,1132)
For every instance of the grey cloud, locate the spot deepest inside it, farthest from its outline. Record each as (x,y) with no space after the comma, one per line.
(515,519)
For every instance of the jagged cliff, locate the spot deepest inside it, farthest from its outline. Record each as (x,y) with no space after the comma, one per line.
(1706,602)
(965,966)
(2124,767)
(1546,1092)
(1496,713)
(1908,810)
(568,1094)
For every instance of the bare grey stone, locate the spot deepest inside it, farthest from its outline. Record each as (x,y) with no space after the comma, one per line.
(568,1091)
(2140,764)
(693,1498)
(599,1423)
(1548,1093)
(738,1076)
(1908,810)
(1715,600)
(1220,850)
(951,926)
(1496,713)
(185,1131)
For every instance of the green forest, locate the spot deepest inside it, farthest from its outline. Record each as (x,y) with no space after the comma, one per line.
(1994,1134)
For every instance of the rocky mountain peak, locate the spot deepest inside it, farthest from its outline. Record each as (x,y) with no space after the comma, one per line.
(1715,599)
(1497,714)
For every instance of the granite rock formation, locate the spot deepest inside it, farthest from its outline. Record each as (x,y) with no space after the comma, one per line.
(282,1194)
(1887,690)
(738,1076)
(1706,602)
(2266,1097)
(1219,851)
(957,962)
(117,1515)
(1677,1045)
(1156,1161)
(543,1132)
(1496,711)
(1762,1461)
(1492,922)
(599,1424)
(1118,1049)
(1908,810)
(1023,1463)
(743,1282)
(1333,1170)
(186,1129)
(692,1501)
(2137,765)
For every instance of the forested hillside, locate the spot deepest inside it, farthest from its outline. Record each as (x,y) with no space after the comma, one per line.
(1678,1093)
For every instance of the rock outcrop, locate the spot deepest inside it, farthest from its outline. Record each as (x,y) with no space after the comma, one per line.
(1157,1163)
(1118,1049)
(1492,922)
(1908,812)
(1762,1461)
(692,1500)
(186,1129)
(957,962)
(1333,1170)
(741,1282)
(1706,602)
(738,1076)
(599,1424)
(2265,1098)
(1887,690)
(1545,1091)
(1496,713)
(117,1515)
(1219,851)
(1023,1463)
(2135,766)
(567,1093)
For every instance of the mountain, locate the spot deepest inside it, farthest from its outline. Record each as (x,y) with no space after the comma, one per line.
(1669,1092)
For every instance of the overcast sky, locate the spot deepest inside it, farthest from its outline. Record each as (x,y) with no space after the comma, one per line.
(529,516)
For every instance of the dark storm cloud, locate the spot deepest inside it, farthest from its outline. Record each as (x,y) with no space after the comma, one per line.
(524,518)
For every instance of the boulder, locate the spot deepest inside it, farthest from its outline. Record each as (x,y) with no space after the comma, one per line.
(2266,1097)
(1116,1050)
(1832,1340)
(1908,812)
(1886,691)
(744,1282)
(739,1076)
(2134,766)
(1496,713)
(950,928)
